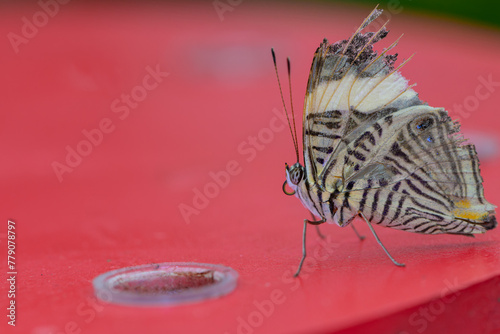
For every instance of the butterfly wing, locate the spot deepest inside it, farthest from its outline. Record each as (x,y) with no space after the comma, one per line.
(414,172)
(349,88)
(368,137)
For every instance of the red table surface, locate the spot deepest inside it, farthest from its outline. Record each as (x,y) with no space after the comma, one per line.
(121,204)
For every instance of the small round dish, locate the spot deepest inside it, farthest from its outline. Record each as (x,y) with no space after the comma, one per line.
(165,284)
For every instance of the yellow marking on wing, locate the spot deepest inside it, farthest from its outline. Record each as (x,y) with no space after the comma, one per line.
(463,210)
(463,204)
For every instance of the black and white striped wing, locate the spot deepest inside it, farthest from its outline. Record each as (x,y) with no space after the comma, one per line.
(349,88)
(411,171)
(372,143)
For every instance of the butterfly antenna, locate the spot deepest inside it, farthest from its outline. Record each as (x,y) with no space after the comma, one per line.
(294,139)
(291,106)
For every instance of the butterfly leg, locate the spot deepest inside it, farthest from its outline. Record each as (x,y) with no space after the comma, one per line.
(304,242)
(321,235)
(361,237)
(380,242)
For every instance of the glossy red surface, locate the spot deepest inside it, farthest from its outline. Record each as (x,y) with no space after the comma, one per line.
(120,205)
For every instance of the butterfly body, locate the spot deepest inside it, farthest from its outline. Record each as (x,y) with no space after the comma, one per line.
(373,149)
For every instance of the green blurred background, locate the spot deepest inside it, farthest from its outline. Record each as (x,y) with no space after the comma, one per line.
(482,12)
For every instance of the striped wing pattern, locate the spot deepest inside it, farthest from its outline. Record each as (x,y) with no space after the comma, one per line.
(372,146)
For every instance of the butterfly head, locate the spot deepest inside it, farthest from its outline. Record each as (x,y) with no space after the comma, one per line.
(294,175)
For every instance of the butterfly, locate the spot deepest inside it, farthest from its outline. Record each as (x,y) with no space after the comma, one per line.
(373,149)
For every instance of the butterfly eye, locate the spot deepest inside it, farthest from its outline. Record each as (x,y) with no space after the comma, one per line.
(424,123)
(296,175)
